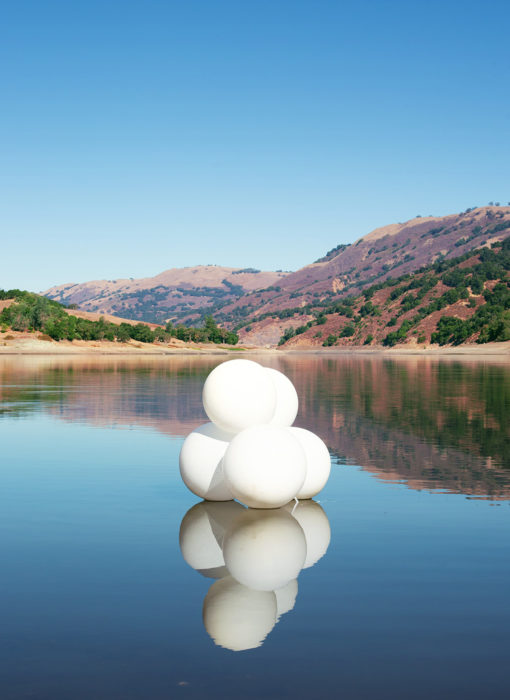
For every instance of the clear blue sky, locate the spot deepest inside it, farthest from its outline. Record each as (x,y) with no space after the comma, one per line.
(138,136)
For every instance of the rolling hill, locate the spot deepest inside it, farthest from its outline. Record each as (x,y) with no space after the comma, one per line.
(264,306)
(465,299)
(179,295)
(385,253)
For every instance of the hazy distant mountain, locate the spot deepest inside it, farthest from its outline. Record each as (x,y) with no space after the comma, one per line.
(179,294)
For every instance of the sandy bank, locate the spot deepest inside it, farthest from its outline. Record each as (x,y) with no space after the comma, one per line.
(28,344)
(474,350)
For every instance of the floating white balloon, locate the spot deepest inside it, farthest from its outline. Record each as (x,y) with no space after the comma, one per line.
(318,462)
(265,550)
(250,451)
(200,462)
(287,402)
(237,617)
(238,394)
(264,466)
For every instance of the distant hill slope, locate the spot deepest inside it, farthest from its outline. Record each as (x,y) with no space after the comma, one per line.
(25,312)
(179,295)
(239,298)
(386,252)
(466,299)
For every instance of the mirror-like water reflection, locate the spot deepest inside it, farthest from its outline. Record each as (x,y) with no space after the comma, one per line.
(438,424)
(99,598)
(256,557)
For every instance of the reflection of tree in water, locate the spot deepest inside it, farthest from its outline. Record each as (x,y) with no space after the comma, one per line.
(436,424)
(107,391)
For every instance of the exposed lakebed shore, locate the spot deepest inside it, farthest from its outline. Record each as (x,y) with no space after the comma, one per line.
(28,344)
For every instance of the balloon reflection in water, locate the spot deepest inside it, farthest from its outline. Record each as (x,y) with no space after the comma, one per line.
(315,525)
(256,555)
(265,550)
(237,617)
(201,535)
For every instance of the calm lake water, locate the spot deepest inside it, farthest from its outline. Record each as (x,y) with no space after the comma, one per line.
(405,593)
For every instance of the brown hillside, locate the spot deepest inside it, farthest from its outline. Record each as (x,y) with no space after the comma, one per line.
(389,251)
(237,298)
(176,294)
(97,315)
(474,288)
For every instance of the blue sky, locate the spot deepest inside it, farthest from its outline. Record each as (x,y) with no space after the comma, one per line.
(138,136)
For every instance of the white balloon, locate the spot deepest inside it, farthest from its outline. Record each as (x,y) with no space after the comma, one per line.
(287,402)
(264,550)
(318,462)
(238,394)
(315,525)
(265,466)
(237,617)
(201,536)
(200,462)
(286,598)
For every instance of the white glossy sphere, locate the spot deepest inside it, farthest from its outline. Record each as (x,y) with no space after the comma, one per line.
(287,402)
(265,550)
(201,536)
(237,617)
(286,598)
(238,394)
(315,525)
(265,466)
(200,462)
(318,462)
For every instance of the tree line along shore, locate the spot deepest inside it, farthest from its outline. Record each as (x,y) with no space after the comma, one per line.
(29,312)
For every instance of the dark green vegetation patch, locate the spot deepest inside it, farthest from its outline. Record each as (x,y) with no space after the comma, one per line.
(31,312)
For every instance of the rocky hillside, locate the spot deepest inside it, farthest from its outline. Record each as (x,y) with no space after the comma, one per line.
(465,299)
(177,295)
(385,253)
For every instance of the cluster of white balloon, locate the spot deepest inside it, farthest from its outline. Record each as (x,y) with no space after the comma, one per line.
(249,451)
(256,555)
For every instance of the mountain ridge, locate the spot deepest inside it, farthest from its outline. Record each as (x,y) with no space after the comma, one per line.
(383,253)
(176,294)
(261,306)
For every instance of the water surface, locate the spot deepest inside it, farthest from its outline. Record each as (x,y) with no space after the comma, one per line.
(409,600)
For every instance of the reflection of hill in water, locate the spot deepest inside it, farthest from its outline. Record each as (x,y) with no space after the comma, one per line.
(107,391)
(435,424)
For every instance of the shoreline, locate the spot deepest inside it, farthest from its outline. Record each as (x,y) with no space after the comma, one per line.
(473,350)
(33,346)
